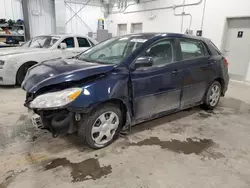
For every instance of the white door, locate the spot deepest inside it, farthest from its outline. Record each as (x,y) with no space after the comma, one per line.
(72,45)
(136,28)
(122,29)
(237,47)
(69,52)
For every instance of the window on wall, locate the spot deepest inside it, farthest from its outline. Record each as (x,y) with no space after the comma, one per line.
(192,49)
(83,42)
(162,53)
(122,29)
(70,42)
(136,27)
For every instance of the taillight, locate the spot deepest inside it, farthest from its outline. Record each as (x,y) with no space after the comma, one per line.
(226,62)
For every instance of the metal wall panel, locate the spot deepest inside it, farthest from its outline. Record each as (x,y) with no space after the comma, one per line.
(11,9)
(42,17)
(86,18)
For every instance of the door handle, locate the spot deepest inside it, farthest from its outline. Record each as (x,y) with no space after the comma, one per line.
(175,72)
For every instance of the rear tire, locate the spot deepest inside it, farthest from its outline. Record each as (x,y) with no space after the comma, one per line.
(21,73)
(212,96)
(101,126)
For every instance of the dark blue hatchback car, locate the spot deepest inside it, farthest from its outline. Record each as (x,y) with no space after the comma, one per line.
(124,81)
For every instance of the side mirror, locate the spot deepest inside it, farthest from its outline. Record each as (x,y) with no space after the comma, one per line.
(143,62)
(63,46)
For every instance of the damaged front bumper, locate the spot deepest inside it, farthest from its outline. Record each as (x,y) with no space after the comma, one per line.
(56,121)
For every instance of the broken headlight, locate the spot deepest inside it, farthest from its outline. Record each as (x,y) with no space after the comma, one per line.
(56,99)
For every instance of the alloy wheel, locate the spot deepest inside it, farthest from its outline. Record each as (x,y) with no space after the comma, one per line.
(214,95)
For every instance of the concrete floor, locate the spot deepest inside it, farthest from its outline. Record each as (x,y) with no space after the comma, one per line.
(192,149)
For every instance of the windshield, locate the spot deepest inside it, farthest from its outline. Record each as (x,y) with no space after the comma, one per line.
(114,50)
(41,42)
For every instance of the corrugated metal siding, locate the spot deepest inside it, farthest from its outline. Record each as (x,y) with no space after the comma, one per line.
(89,15)
(42,17)
(11,9)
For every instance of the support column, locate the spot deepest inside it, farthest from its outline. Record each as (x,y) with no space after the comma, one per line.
(25,4)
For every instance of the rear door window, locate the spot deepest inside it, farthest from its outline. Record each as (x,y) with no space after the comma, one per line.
(192,49)
(83,42)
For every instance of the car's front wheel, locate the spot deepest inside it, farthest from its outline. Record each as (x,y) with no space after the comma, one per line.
(100,127)
(21,73)
(212,96)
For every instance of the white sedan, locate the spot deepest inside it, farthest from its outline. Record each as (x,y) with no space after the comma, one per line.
(14,62)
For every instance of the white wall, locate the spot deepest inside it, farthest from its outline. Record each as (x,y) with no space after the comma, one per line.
(89,15)
(11,9)
(41,17)
(214,21)
(165,21)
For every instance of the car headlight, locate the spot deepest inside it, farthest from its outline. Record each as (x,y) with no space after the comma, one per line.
(1,64)
(56,99)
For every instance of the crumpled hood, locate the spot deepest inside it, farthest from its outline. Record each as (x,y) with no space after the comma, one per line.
(59,71)
(18,50)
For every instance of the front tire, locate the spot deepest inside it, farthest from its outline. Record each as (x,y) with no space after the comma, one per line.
(212,96)
(101,126)
(21,73)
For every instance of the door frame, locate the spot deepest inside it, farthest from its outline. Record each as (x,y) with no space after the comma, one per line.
(225,31)
(155,69)
(224,37)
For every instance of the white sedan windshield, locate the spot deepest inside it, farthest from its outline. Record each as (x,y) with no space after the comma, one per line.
(41,42)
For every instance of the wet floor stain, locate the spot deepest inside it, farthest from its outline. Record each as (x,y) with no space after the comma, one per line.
(10,177)
(238,106)
(205,115)
(85,170)
(191,145)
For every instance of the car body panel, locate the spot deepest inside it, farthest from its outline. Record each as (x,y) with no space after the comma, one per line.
(58,71)
(162,95)
(146,93)
(15,57)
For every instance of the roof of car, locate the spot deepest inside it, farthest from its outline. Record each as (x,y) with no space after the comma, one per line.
(149,35)
(66,35)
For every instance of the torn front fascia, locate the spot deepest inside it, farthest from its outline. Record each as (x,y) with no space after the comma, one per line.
(57,121)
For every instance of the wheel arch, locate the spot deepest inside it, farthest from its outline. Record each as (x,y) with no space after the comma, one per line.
(222,83)
(121,104)
(22,65)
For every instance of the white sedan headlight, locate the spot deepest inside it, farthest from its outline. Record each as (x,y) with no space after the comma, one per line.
(56,99)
